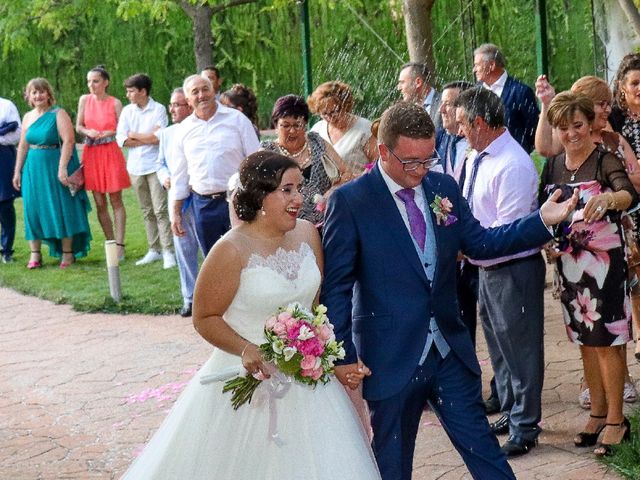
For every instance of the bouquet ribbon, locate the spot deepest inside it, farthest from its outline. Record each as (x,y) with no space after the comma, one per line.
(273,388)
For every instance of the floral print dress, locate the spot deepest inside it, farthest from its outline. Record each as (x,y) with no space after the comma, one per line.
(592,266)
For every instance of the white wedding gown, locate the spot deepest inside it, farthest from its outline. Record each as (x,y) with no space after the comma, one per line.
(289,432)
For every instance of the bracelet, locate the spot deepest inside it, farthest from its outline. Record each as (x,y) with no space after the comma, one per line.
(244,350)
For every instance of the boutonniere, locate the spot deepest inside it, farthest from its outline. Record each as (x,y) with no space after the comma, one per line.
(442,209)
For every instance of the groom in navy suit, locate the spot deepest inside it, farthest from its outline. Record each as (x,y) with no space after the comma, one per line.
(391,239)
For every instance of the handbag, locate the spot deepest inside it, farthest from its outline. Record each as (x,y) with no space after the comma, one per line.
(330,168)
(76,180)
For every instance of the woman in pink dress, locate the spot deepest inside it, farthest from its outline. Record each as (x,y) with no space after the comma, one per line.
(102,160)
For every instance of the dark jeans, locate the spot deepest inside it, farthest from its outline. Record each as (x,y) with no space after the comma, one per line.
(7,226)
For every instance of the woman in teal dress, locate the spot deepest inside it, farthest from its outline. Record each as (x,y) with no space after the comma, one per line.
(54,212)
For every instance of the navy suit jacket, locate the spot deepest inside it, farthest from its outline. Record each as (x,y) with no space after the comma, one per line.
(521,112)
(376,290)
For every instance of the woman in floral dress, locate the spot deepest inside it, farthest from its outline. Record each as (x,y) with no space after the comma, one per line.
(591,263)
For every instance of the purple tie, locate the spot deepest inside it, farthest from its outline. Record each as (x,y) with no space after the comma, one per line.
(416,220)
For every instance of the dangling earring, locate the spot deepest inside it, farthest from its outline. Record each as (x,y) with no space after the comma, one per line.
(262,212)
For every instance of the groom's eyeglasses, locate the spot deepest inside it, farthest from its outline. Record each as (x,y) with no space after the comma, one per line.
(411,165)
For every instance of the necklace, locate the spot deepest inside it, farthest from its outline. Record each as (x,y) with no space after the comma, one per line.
(574,172)
(286,152)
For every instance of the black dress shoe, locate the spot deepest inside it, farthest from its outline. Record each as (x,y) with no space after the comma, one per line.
(500,426)
(185,311)
(515,447)
(491,405)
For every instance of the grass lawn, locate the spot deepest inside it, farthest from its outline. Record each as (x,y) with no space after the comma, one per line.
(626,457)
(146,289)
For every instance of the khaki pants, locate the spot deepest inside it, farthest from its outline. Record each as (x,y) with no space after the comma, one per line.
(153,203)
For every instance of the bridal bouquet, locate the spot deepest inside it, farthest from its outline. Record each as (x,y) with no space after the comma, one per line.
(301,344)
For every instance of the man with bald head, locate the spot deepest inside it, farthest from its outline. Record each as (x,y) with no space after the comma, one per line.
(209,146)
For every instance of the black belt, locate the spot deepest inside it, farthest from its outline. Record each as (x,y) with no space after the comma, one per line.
(212,196)
(512,262)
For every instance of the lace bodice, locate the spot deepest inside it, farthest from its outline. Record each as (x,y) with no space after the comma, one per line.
(269,282)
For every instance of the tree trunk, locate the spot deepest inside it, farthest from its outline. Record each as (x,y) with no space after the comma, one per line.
(201,16)
(632,13)
(419,27)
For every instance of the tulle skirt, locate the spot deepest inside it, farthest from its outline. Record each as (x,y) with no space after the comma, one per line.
(290,432)
(105,169)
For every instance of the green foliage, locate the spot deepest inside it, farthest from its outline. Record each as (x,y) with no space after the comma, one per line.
(259,44)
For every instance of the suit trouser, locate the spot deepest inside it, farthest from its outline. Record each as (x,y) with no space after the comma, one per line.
(212,219)
(512,316)
(187,248)
(7,226)
(152,198)
(454,393)
(468,296)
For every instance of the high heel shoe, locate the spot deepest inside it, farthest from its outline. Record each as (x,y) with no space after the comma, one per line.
(584,439)
(64,264)
(33,264)
(604,449)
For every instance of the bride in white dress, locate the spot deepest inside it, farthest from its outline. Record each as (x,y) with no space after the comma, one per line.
(289,430)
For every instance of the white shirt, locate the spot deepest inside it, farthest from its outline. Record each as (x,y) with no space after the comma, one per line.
(497,86)
(9,113)
(141,160)
(351,145)
(166,137)
(428,100)
(207,152)
(506,188)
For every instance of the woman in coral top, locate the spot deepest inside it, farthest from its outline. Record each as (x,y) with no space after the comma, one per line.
(103,163)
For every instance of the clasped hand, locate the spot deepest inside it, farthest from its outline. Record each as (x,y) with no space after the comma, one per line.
(352,374)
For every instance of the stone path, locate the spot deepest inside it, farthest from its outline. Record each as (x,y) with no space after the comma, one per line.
(81,393)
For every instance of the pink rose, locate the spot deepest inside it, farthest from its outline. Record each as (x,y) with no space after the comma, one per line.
(446,205)
(308,362)
(280,329)
(290,322)
(324,333)
(284,316)
(271,322)
(307,372)
(316,373)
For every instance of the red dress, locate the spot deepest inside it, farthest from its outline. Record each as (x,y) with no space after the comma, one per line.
(104,165)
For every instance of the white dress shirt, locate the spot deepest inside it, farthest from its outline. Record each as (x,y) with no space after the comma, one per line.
(207,152)
(141,160)
(9,113)
(497,86)
(166,137)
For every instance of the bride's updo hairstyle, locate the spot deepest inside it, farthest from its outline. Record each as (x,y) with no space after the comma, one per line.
(260,174)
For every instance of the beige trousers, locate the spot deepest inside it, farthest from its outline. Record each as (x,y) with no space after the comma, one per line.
(152,198)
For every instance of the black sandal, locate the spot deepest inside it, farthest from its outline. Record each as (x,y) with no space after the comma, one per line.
(584,439)
(604,449)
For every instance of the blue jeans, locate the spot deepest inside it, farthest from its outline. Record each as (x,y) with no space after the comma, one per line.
(187,248)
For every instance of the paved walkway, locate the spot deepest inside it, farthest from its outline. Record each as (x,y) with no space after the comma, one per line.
(81,393)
